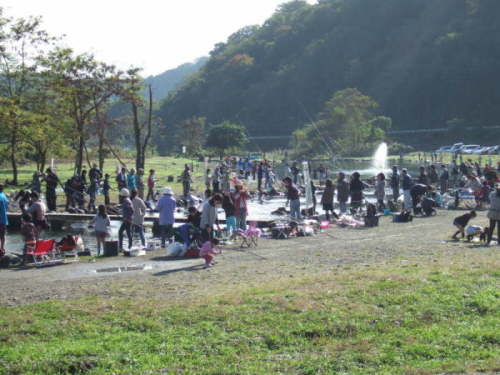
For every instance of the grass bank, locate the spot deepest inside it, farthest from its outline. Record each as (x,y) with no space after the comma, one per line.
(379,320)
(164,167)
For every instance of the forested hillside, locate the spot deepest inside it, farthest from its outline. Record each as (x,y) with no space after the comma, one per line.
(425,62)
(162,84)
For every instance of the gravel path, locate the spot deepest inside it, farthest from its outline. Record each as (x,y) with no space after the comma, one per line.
(422,241)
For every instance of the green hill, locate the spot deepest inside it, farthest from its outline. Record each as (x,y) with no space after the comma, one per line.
(425,62)
(162,84)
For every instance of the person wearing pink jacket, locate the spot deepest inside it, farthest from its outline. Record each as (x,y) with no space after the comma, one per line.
(240,198)
(208,251)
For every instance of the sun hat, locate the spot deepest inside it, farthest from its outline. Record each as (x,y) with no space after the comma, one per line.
(167,191)
(124,192)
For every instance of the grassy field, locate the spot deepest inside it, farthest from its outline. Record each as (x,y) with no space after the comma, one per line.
(430,319)
(164,166)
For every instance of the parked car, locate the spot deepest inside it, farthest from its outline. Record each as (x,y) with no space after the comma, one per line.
(481,150)
(494,150)
(456,147)
(443,149)
(469,149)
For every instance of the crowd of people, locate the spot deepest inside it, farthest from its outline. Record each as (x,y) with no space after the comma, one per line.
(226,189)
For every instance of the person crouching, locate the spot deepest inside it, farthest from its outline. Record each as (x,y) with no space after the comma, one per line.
(208,251)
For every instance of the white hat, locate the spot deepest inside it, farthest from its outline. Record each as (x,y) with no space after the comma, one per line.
(124,192)
(167,191)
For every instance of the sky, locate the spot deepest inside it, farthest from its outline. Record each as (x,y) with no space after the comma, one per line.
(156,35)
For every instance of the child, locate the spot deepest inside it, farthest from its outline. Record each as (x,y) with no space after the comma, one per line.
(106,187)
(208,250)
(461,222)
(101,223)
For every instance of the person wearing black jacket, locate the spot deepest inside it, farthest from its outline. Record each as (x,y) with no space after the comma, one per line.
(443,179)
(229,210)
(395,183)
(50,194)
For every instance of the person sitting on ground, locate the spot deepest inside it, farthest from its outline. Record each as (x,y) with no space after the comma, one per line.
(101,226)
(461,222)
(327,200)
(208,251)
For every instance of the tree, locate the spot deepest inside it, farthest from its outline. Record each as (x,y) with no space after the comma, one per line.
(85,84)
(226,136)
(347,124)
(22,42)
(191,133)
(142,122)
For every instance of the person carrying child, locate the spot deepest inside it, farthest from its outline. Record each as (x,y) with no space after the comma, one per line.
(461,222)
(101,226)
(208,251)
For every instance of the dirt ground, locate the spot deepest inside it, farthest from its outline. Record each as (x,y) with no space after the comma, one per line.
(425,240)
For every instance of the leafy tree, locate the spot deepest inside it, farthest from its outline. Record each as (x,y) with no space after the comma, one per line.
(347,124)
(22,42)
(226,136)
(84,84)
(191,133)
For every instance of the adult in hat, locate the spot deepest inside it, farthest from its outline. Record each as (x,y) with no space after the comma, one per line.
(127,217)
(166,207)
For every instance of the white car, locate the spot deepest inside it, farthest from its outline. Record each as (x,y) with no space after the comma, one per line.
(443,149)
(469,149)
(456,147)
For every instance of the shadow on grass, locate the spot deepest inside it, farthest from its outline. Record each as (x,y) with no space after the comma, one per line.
(198,267)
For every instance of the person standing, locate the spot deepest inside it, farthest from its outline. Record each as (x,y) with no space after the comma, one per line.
(52,180)
(443,179)
(140,183)
(380,191)
(229,210)
(395,181)
(132,180)
(295,173)
(138,218)
(356,187)
(186,181)
(151,185)
(260,176)
(327,199)
(92,190)
(342,192)
(209,216)
(293,196)
(37,210)
(35,182)
(106,187)
(423,177)
(4,219)
(166,207)
(208,179)
(127,215)
(407,185)
(494,213)
(101,227)
(121,179)
(433,175)
(240,198)
(95,173)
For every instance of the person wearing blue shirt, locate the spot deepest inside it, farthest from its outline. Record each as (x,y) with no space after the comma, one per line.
(4,220)
(132,180)
(166,207)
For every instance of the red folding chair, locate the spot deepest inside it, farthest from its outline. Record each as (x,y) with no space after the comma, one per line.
(44,253)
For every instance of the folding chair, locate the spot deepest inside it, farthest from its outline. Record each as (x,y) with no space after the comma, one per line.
(44,253)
